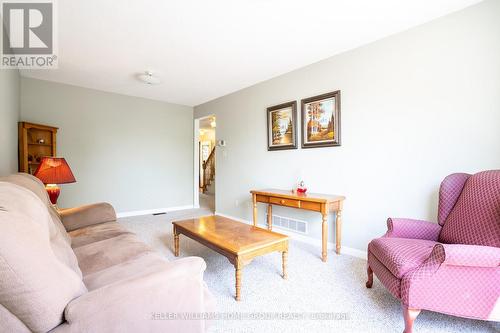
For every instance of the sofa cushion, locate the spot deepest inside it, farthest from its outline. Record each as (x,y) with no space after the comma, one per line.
(400,255)
(103,254)
(475,218)
(84,216)
(96,233)
(127,304)
(10,323)
(35,284)
(29,182)
(148,262)
(36,186)
(59,238)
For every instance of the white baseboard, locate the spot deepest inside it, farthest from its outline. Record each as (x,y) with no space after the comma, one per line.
(305,239)
(153,211)
(354,252)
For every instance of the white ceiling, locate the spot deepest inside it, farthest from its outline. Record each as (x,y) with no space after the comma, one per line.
(206,49)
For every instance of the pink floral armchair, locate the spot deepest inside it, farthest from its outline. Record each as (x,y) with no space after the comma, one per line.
(453,266)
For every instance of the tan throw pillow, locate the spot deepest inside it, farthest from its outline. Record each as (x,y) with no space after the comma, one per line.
(35,285)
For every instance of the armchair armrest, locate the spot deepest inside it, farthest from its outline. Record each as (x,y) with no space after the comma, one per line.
(466,255)
(454,279)
(84,216)
(153,302)
(410,228)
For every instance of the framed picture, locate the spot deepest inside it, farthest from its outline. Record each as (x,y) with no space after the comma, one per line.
(321,120)
(282,126)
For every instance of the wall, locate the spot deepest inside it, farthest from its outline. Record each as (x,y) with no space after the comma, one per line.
(416,107)
(132,152)
(9,117)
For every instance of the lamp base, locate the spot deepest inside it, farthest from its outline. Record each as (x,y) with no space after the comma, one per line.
(53,190)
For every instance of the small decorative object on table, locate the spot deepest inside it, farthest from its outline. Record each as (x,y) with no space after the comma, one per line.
(301,188)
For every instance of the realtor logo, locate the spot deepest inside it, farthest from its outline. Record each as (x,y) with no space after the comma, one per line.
(28,34)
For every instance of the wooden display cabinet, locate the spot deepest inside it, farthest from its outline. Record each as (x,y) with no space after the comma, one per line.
(35,141)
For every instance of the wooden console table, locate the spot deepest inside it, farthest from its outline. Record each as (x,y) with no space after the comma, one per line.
(322,203)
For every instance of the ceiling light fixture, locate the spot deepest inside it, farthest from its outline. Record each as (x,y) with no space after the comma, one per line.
(149,78)
(212,123)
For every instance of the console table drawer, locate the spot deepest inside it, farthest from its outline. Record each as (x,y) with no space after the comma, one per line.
(285,202)
(262,198)
(308,205)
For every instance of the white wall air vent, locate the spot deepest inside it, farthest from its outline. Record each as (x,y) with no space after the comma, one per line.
(290,224)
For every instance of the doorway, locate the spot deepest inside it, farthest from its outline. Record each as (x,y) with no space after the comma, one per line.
(205,157)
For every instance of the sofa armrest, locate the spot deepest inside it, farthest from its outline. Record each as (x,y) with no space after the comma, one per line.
(410,228)
(466,255)
(83,216)
(152,302)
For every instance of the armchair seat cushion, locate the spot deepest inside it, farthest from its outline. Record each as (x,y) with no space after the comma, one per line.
(401,255)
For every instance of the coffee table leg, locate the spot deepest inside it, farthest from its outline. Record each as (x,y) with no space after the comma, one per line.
(176,243)
(238,282)
(284,255)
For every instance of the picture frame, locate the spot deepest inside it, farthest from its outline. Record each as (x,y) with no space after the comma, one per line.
(321,120)
(282,126)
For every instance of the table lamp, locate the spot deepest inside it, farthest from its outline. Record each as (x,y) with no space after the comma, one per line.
(53,171)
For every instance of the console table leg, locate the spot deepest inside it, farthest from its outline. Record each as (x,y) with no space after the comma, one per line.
(338,230)
(324,237)
(285,263)
(254,200)
(238,282)
(270,217)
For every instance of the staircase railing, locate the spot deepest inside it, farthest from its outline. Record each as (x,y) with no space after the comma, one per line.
(208,170)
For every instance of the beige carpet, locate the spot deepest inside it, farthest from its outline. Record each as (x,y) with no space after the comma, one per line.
(336,289)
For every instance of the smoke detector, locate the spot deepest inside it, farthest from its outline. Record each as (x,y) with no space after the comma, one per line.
(149,78)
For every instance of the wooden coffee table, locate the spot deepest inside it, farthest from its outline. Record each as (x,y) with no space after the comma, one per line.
(238,242)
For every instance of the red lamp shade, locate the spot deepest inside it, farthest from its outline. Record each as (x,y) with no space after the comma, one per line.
(53,171)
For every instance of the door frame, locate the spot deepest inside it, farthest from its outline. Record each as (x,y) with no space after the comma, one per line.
(196,160)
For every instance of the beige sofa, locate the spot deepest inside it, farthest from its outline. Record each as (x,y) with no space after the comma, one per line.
(78,270)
